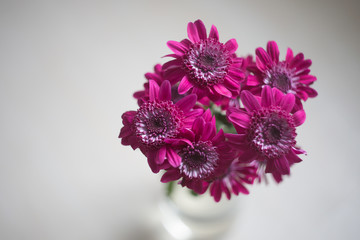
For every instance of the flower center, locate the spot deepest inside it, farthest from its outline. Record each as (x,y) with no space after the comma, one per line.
(198,161)
(272,132)
(207,62)
(156,121)
(280,77)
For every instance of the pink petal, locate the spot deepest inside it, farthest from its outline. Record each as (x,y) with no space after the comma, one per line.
(214,33)
(170,175)
(208,132)
(184,85)
(178,142)
(289,55)
(249,101)
(198,126)
(282,165)
(252,81)
(248,156)
(125,131)
(273,50)
(231,84)
(222,90)
(296,60)
(310,91)
(305,64)
(277,176)
(199,186)
(225,190)
(240,119)
(236,137)
(165,91)
(187,102)
(278,96)
(267,98)
(193,33)
(287,102)
(215,191)
(292,157)
(219,137)
(153,90)
(176,63)
(152,163)
(307,79)
(231,45)
(176,47)
(160,156)
(298,150)
(201,29)
(299,117)
(128,117)
(263,60)
(173,158)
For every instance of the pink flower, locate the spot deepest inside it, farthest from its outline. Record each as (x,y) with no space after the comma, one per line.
(231,179)
(266,130)
(204,65)
(156,121)
(289,76)
(201,154)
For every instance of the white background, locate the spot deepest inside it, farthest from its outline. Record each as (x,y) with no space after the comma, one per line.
(68,70)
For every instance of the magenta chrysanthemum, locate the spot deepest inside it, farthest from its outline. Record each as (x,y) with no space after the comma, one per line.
(266,130)
(201,154)
(205,65)
(156,121)
(198,160)
(289,76)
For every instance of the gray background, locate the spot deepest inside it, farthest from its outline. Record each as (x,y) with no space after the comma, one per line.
(68,70)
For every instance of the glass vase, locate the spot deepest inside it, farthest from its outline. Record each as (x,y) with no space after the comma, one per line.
(185,215)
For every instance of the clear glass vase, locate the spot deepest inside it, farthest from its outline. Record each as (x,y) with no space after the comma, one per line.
(196,217)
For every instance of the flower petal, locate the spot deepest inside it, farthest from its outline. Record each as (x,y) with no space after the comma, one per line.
(165,91)
(173,158)
(193,33)
(201,29)
(184,85)
(249,101)
(273,50)
(215,191)
(153,90)
(267,98)
(292,157)
(198,127)
(248,156)
(231,45)
(263,60)
(177,47)
(222,90)
(160,155)
(287,102)
(299,117)
(289,55)
(170,175)
(187,102)
(307,79)
(214,33)
(240,119)
(282,165)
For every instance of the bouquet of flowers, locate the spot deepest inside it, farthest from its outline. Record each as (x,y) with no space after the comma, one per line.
(212,120)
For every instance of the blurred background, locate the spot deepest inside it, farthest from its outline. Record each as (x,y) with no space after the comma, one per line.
(68,70)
